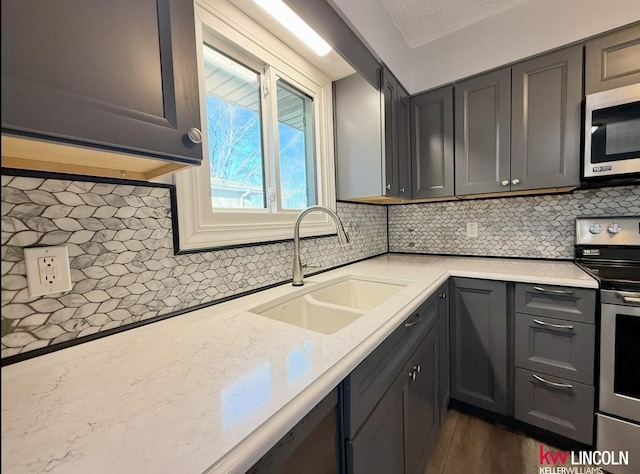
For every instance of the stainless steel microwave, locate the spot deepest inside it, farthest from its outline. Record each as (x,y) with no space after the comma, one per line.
(612,133)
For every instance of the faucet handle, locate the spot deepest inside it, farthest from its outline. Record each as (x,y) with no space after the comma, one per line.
(306,265)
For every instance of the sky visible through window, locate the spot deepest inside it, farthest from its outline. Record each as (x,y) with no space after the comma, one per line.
(236,143)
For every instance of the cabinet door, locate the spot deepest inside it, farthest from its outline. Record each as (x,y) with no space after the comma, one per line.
(444,388)
(546,102)
(479,343)
(421,413)
(613,60)
(432,143)
(482,130)
(379,445)
(404,155)
(390,96)
(118,75)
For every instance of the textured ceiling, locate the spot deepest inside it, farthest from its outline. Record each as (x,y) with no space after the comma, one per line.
(421,21)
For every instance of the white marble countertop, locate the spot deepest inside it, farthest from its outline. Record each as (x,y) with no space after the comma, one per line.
(214,389)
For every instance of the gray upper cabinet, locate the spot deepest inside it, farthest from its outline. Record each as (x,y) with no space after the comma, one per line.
(519,128)
(391,164)
(396,137)
(116,75)
(613,60)
(479,362)
(546,102)
(432,143)
(404,141)
(482,128)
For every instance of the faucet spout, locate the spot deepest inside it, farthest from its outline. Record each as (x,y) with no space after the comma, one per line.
(298,267)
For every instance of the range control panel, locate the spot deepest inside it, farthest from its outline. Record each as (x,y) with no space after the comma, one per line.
(605,231)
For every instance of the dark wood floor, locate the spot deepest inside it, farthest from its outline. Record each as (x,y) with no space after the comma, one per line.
(469,445)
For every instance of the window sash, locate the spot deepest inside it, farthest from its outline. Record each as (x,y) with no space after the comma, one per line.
(235,34)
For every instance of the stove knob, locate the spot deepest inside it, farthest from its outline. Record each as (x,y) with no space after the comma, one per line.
(614,229)
(595,229)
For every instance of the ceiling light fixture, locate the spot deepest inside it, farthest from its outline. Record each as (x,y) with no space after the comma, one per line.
(290,20)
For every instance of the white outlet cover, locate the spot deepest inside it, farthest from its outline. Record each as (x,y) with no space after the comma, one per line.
(58,276)
(472,230)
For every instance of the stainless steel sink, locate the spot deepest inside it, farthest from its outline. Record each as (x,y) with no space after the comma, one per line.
(329,307)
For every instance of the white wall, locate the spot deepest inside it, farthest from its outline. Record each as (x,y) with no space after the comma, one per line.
(525,30)
(522,31)
(376,28)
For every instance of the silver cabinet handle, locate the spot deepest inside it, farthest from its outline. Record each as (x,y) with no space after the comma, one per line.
(515,182)
(195,135)
(402,190)
(388,186)
(553,384)
(505,182)
(412,375)
(557,326)
(557,292)
(442,295)
(414,322)
(417,368)
(631,299)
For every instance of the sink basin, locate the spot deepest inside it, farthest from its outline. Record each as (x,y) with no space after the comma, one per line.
(328,307)
(358,293)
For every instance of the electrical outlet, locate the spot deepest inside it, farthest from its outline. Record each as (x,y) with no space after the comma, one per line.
(47,270)
(472,230)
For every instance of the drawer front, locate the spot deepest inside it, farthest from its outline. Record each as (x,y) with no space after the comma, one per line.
(573,304)
(565,409)
(368,382)
(555,347)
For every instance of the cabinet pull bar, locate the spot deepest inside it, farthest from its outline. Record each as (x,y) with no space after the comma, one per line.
(414,322)
(553,384)
(557,292)
(557,326)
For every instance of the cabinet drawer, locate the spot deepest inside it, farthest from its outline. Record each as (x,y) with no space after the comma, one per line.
(368,382)
(573,304)
(565,408)
(555,347)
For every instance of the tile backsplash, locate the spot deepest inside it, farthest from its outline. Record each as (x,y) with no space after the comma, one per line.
(123,266)
(539,226)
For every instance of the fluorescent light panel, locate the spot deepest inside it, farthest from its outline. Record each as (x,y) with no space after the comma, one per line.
(290,20)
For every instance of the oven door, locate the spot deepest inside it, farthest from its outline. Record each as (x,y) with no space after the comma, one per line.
(612,132)
(620,355)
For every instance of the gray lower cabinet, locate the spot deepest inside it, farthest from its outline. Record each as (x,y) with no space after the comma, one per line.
(310,447)
(421,407)
(613,60)
(391,407)
(482,133)
(445,365)
(563,407)
(546,110)
(116,75)
(555,347)
(479,362)
(379,445)
(432,143)
(555,340)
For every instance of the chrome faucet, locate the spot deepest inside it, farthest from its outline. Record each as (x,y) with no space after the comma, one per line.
(298,266)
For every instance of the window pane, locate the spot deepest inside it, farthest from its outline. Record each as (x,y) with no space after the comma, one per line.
(234,132)
(295,136)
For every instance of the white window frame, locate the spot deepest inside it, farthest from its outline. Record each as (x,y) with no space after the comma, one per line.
(226,28)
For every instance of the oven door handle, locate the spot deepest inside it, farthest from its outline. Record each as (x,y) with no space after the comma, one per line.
(555,326)
(557,292)
(553,384)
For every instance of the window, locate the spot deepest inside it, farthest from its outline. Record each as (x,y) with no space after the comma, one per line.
(266,120)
